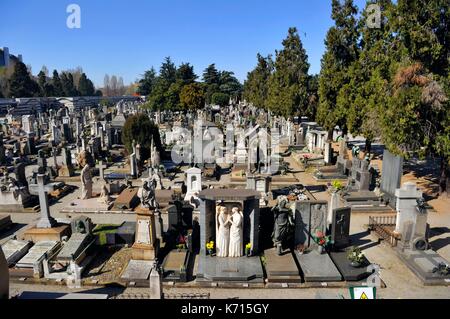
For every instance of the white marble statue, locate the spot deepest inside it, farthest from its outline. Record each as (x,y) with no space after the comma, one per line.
(86,182)
(236,248)
(222,231)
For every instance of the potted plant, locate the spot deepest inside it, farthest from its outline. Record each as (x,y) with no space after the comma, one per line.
(356,257)
(321,239)
(442,269)
(248,248)
(210,247)
(336,186)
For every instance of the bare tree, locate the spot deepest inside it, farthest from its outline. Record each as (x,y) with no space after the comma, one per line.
(106,85)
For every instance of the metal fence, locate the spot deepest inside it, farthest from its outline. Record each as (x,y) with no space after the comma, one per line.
(384,227)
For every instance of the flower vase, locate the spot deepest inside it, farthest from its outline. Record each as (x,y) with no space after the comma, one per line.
(320,249)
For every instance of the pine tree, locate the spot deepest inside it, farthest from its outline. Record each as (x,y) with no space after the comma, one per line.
(288,83)
(211,75)
(185,74)
(257,85)
(147,83)
(21,84)
(57,85)
(341,51)
(85,86)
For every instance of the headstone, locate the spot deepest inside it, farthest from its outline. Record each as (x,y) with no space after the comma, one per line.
(4,276)
(45,221)
(193,182)
(146,243)
(392,171)
(340,227)
(14,250)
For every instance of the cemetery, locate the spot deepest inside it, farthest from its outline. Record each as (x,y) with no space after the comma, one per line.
(293,180)
(128,220)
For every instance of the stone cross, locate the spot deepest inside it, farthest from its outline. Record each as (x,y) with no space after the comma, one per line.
(101,168)
(45,221)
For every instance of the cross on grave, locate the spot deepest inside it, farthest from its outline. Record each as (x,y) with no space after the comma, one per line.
(54,153)
(101,168)
(340,222)
(45,221)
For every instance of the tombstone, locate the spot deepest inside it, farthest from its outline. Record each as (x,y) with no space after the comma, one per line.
(4,276)
(310,220)
(193,182)
(146,243)
(328,153)
(46,220)
(66,168)
(133,165)
(156,287)
(31,146)
(334,203)
(19,171)
(392,171)
(340,227)
(81,238)
(236,269)
(411,218)
(101,168)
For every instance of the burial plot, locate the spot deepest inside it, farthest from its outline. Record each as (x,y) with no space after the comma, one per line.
(281,269)
(14,250)
(340,236)
(137,271)
(80,240)
(310,220)
(125,234)
(33,259)
(127,200)
(176,266)
(229,269)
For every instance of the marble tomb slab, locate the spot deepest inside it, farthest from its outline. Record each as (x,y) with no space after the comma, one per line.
(14,250)
(317,267)
(281,268)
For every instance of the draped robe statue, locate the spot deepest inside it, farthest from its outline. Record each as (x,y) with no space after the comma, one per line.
(222,231)
(236,248)
(86,182)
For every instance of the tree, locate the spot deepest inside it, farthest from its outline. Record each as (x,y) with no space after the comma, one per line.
(21,84)
(256,86)
(68,85)
(85,86)
(107,85)
(211,75)
(57,85)
(142,130)
(147,83)
(220,99)
(341,51)
(192,96)
(168,71)
(229,84)
(288,84)
(185,74)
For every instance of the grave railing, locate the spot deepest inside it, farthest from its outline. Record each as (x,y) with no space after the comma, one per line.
(384,227)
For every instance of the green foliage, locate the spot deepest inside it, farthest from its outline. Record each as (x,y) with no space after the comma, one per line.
(57,85)
(192,96)
(142,130)
(21,84)
(185,74)
(287,94)
(211,75)
(256,86)
(147,83)
(85,86)
(221,99)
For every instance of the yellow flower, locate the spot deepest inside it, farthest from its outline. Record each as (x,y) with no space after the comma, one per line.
(248,246)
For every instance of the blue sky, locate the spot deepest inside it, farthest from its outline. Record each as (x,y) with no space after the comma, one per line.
(128,37)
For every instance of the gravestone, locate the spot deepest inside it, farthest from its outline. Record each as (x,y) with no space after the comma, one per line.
(316,265)
(137,270)
(14,250)
(392,171)
(193,183)
(45,221)
(127,199)
(146,244)
(156,288)
(340,227)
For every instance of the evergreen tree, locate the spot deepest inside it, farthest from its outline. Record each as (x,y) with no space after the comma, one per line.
(257,85)
(185,74)
(147,83)
(288,83)
(85,86)
(341,51)
(21,84)
(168,71)
(211,75)
(192,96)
(57,85)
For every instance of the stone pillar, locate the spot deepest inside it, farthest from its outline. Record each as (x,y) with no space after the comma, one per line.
(407,197)
(156,289)
(328,153)
(334,203)
(4,276)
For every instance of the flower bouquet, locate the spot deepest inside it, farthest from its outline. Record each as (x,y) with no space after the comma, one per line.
(248,248)
(356,256)
(210,247)
(321,239)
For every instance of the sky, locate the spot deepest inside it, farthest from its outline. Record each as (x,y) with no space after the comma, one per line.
(125,38)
